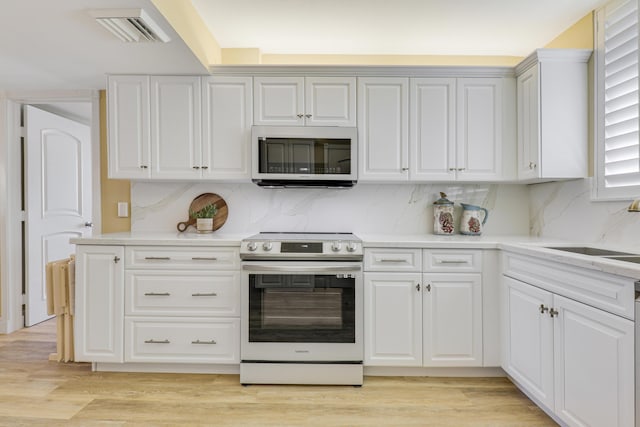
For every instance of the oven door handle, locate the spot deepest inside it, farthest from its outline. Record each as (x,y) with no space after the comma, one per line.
(302,269)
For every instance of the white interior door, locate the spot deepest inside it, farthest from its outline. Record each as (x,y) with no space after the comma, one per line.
(57,198)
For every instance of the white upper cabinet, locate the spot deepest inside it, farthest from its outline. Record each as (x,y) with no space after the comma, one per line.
(433,131)
(128,126)
(552,105)
(305,101)
(176,127)
(483,144)
(227,120)
(383,129)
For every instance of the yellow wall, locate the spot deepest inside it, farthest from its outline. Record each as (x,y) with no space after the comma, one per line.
(113,190)
(191,28)
(578,36)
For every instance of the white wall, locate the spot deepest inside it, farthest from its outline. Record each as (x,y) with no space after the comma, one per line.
(564,210)
(366,208)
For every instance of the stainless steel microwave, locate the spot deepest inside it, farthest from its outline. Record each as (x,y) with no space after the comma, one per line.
(304,156)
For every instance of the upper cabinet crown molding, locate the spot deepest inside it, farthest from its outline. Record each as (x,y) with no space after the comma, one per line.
(363,70)
(561,55)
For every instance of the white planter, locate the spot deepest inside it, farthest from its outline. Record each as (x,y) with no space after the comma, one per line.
(204,225)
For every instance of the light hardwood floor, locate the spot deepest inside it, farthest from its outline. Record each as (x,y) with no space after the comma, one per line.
(35,391)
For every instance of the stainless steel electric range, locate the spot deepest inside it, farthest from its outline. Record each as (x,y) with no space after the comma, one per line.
(302,314)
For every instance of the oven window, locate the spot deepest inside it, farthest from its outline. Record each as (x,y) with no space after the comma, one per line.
(305,156)
(301,308)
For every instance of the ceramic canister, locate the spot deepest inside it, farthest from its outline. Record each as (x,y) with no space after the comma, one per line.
(443,215)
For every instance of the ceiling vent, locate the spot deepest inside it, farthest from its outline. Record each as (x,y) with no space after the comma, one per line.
(130,25)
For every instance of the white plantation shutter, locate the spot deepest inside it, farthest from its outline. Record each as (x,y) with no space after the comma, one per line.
(618,139)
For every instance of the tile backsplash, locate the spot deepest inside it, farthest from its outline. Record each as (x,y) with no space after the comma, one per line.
(366,208)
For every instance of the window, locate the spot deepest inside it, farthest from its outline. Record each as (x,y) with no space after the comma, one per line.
(617,138)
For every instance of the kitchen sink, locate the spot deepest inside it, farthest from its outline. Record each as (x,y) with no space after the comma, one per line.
(586,250)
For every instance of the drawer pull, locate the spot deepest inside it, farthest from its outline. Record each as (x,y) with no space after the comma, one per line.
(391,260)
(152,341)
(451,261)
(157,294)
(157,258)
(209,294)
(203,342)
(201,258)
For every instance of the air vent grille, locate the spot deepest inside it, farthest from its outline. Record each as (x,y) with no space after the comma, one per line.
(130,25)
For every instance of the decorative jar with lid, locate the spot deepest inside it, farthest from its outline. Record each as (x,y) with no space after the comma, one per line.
(443,215)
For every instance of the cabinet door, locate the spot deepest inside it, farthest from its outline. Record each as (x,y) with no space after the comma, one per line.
(393,319)
(99,304)
(432,136)
(330,101)
(228,117)
(452,319)
(128,126)
(479,129)
(278,101)
(529,339)
(383,128)
(528,98)
(594,366)
(176,127)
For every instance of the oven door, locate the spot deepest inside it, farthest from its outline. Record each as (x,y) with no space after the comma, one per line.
(302,311)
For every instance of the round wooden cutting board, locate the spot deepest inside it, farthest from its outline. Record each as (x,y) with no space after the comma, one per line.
(200,202)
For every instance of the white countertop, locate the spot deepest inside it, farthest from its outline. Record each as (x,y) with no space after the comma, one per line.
(163,239)
(524,245)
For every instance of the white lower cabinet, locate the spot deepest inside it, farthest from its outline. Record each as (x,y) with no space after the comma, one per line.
(423,319)
(574,359)
(99,304)
(166,304)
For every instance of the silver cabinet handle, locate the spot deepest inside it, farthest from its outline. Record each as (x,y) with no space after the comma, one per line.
(157,294)
(451,261)
(300,115)
(204,342)
(196,167)
(201,258)
(553,312)
(88,224)
(405,169)
(418,287)
(452,169)
(116,259)
(143,166)
(157,258)
(152,341)
(542,308)
(205,167)
(428,287)
(461,169)
(308,116)
(532,165)
(298,269)
(210,294)
(391,260)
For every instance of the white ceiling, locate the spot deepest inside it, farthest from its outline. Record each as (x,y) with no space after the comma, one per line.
(56,45)
(418,27)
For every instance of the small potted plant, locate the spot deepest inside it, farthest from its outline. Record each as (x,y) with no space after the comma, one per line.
(204,218)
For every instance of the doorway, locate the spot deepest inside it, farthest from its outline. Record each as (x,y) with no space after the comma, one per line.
(61,151)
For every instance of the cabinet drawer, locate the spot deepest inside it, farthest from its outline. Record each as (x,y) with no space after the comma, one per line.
(385,259)
(172,257)
(182,293)
(608,292)
(182,340)
(458,260)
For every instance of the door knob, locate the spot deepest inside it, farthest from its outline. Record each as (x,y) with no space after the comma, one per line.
(88,224)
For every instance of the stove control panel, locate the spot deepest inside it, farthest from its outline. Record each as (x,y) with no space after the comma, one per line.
(301,249)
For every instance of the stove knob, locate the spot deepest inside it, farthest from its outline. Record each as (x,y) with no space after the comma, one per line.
(352,246)
(267,246)
(336,246)
(252,246)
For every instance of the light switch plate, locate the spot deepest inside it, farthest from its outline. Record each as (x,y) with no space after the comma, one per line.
(123,209)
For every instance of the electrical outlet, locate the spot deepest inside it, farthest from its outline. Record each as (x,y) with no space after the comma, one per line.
(123,209)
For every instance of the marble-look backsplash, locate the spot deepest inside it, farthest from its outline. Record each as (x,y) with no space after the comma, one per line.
(366,208)
(564,210)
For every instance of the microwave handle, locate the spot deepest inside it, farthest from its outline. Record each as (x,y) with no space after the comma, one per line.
(301,269)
